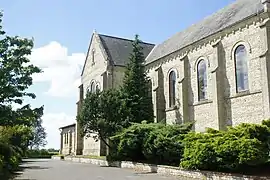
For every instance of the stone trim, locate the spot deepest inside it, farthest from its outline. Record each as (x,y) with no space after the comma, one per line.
(206,101)
(212,40)
(164,170)
(244,93)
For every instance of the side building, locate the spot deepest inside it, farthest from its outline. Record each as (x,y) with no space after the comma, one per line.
(104,68)
(68,139)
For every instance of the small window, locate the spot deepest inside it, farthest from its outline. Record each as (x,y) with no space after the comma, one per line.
(202,80)
(97,88)
(93,56)
(92,87)
(241,69)
(172,88)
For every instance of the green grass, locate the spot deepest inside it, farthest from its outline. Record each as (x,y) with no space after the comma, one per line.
(92,157)
(58,155)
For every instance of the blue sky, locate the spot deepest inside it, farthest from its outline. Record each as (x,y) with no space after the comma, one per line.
(62,29)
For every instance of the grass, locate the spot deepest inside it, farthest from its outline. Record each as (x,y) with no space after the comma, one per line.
(92,157)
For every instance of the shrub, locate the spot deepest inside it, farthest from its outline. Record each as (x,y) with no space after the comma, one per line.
(240,147)
(36,153)
(165,145)
(1,164)
(151,143)
(129,143)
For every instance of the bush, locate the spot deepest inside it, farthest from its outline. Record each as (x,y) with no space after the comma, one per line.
(151,143)
(240,147)
(1,164)
(35,153)
(11,158)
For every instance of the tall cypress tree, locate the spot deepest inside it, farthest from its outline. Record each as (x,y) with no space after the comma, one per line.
(135,87)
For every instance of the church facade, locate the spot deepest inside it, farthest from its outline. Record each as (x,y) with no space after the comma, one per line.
(215,73)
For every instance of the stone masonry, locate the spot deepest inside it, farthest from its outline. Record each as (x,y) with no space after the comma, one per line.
(215,40)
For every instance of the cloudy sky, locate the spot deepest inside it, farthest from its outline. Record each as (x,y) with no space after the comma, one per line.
(62,29)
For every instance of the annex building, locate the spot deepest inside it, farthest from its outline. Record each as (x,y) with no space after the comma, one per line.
(216,72)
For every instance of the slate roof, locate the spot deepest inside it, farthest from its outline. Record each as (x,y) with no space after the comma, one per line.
(68,126)
(119,49)
(235,12)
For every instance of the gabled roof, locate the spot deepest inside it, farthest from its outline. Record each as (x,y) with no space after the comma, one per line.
(119,49)
(235,12)
(68,126)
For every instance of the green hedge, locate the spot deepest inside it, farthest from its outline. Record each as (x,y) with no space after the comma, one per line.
(9,157)
(152,143)
(43,153)
(234,150)
(243,147)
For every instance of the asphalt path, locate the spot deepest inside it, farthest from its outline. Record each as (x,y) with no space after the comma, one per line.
(47,169)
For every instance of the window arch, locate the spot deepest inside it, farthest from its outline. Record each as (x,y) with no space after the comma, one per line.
(202,79)
(92,87)
(97,88)
(241,68)
(172,88)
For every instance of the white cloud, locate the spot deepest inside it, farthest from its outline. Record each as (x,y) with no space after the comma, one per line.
(61,70)
(52,122)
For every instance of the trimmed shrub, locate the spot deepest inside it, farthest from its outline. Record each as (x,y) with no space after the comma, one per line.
(36,153)
(240,147)
(129,143)
(151,143)
(165,145)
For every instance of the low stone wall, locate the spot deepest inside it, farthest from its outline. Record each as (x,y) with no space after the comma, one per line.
(56,157)
(164,170)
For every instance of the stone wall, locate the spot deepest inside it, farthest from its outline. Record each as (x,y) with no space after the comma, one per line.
(68,140)
(165,170)
(223,106)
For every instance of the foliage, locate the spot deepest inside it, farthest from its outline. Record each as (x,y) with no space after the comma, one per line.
(153,143)
(165,145)
(16,125)
(101,114)
(39,153)
(135,89)
(38,138)
(242,146)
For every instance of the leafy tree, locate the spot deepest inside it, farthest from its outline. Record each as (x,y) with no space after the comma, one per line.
(16,125)
(15,74)
(38,138)
(101,114)
(135,89)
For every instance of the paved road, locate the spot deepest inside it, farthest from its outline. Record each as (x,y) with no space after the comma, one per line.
(63,170)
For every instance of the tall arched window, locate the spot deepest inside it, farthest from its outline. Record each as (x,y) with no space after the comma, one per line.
(92,87)
(97,88)
(202,79)
(241,69)
(172,88)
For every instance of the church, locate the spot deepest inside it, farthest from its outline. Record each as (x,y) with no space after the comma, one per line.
(216,72)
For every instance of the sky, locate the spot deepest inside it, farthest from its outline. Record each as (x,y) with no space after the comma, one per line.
(62,29)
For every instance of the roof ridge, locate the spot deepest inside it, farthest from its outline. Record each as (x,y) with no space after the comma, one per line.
(125,39)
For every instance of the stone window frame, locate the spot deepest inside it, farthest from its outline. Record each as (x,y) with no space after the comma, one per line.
(233,57)
(196,70)
(170,97)
(97,86)
(93,51)
(92,86)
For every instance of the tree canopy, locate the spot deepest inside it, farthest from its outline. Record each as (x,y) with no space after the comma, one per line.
(16,72)
(135,89)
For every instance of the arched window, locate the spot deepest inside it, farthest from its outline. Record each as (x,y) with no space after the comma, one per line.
(97,88)
(172,88)
(92,87)
(202,79)
(241,69)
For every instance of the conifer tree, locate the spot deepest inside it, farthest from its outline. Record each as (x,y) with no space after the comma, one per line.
(135,89)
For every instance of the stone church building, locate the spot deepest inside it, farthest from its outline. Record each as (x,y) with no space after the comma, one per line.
(215,72)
